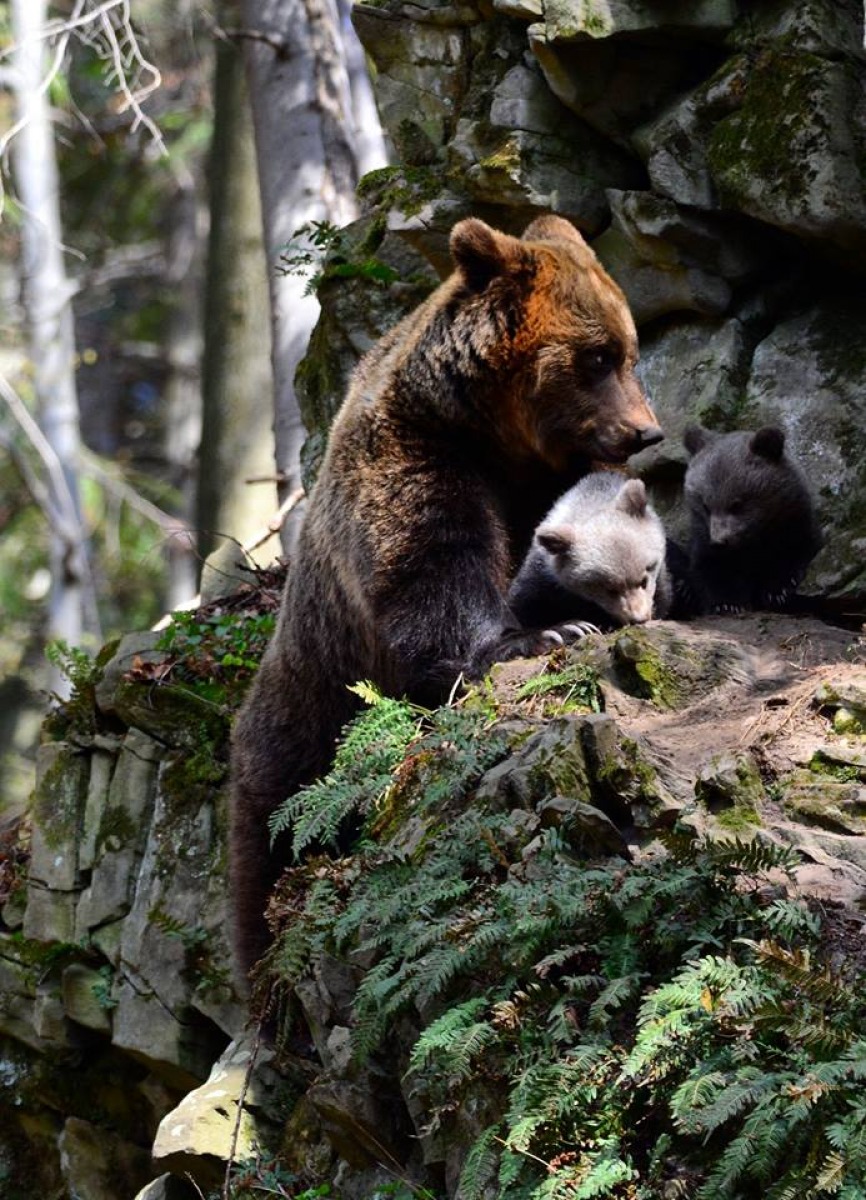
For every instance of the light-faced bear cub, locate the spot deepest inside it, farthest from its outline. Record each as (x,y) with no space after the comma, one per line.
(598,557)
(459,429)
(753,529)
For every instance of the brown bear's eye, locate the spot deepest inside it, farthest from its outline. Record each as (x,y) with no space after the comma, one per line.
(598,362)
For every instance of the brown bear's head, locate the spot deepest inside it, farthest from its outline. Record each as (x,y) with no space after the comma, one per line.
(558,343)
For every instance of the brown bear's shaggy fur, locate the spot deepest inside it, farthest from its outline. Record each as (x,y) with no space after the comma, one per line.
(460,428)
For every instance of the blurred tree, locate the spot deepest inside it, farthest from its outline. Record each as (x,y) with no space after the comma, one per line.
(307,165)
(237,441)
(103,412)
(51,339)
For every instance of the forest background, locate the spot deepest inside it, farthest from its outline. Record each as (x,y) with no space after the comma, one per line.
(142,293)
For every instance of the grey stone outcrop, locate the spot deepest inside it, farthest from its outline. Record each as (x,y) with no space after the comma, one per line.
(715,156)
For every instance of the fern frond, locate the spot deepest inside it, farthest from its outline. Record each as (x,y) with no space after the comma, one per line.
(750,858)
(743,1092)
(479,1169)
(732,1165)
(791,919)
(612,997)
(831,1174)
(373,744)
(453,1041)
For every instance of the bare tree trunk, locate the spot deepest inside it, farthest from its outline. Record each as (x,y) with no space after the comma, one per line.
(307,172)
(183,387)
(237,437)
(47,292)
(371,151)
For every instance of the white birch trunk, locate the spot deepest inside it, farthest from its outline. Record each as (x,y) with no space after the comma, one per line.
(47,293)
(371,152)
(183,387)
(307,172)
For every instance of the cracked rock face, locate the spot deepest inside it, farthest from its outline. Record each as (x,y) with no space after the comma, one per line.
(718,160)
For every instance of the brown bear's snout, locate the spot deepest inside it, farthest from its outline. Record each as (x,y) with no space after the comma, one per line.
(649,435)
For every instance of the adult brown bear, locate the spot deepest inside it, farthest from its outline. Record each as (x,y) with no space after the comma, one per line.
(460,428)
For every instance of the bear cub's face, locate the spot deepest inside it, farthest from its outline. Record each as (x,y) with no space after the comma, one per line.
(612,557)
(741,485)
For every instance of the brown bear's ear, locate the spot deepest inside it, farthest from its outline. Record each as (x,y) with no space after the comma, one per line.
(481,253)
(632,499)
(551,228)
(695,437)
(769,443)
(556,539)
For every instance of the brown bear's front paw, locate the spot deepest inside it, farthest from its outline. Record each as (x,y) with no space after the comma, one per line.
(572,631)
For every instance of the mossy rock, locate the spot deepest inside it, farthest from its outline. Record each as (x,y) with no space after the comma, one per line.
(829,802)
(670,671)
(730,787)
(173,714)
(793,154)
(624,781)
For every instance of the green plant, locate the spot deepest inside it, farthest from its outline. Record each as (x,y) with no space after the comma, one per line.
(317,250)
(646,1026)
(197,943)
(372,746)
(217,652)
(101,988)
(73,663)
(573,687)
(83,671)
(265,1176)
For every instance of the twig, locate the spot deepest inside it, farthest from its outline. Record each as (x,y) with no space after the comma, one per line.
(124,491)
(225,1194)
(279,477)
(63,513)
(39,493)
(275,524)
(279,45)
(107,29)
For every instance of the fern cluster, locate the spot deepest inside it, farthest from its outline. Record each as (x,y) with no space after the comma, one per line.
(659,1029)
(372,746)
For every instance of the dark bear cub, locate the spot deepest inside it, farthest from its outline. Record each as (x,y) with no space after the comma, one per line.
(598,557)
(460,428)
(753,529)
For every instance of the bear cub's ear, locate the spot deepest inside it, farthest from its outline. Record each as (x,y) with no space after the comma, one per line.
(481,253)
(768,443)
(632,498)
(695,437)
(554,539)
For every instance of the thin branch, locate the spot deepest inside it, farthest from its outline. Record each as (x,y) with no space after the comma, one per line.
(171,525)
(37,490)
(132,100)
(225,1193)
(281,47)
(107,29)
(63,513)
(275,524)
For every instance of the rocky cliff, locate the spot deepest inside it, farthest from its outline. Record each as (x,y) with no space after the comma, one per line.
(125,1051)
(714,154)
